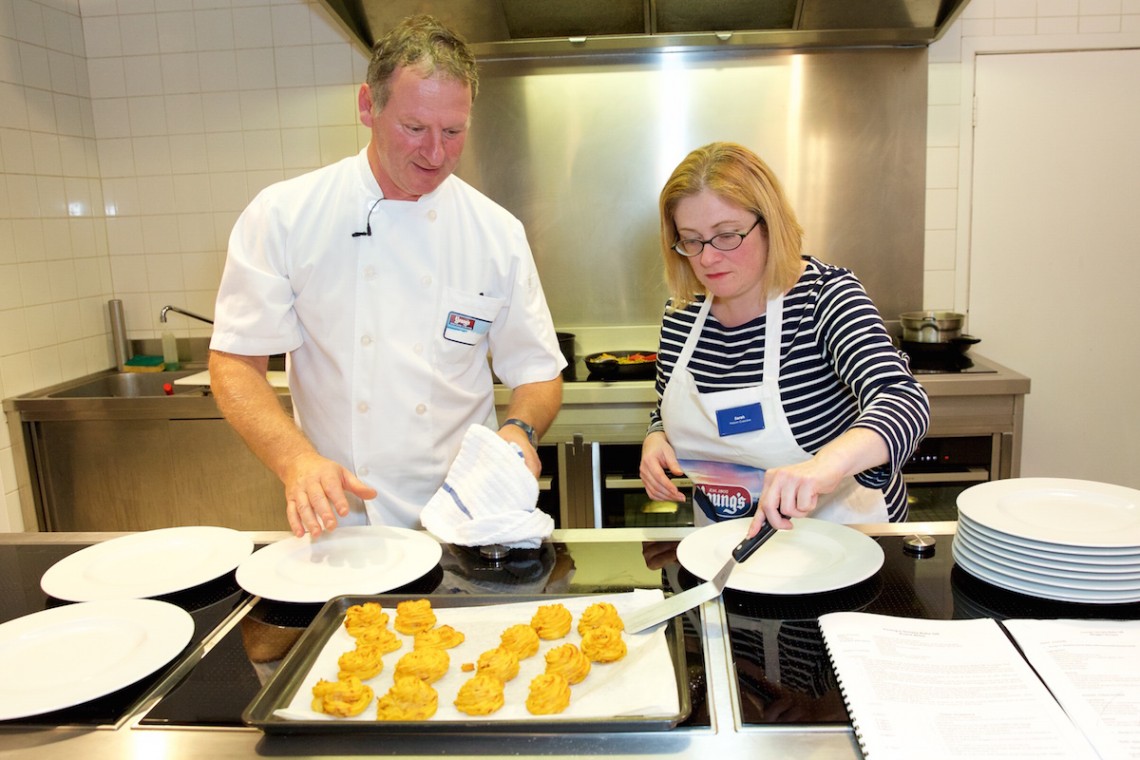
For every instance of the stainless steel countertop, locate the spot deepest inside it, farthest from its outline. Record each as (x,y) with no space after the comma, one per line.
(726,737)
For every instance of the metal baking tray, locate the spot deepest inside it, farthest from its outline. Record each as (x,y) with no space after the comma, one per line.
(282,687)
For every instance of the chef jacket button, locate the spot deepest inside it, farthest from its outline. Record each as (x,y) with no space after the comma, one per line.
(362,472)
(421,408)
(362,406)
(369,273)
(426,280)
(432,215)
(366,340)
(418,348)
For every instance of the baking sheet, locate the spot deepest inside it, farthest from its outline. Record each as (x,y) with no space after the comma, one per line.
(646,690)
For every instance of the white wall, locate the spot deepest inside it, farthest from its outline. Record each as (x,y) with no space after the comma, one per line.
(132,132)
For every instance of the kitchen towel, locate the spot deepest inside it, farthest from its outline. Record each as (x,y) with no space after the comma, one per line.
(488,497)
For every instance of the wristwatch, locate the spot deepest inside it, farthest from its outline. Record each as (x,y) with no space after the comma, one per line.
(530,434)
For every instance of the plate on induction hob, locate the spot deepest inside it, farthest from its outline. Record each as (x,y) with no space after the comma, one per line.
(147,564)
(65,656)
(349,560)
(815,556)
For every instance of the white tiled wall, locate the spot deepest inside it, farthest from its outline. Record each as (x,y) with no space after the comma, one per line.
(132,133)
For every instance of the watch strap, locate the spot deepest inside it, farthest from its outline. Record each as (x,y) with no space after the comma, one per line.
(531,435)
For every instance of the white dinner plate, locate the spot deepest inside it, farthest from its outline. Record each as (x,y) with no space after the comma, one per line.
(151,563)
(815,556)
(1080,513)
(1091,554)
(1050,563)
(1040,590)
(350,560)
(65,656)
(1032,575)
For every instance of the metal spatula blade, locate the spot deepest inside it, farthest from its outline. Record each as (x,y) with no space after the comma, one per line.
(710,589)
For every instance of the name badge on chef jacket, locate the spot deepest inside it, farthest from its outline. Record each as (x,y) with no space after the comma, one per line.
(464,329)
(739,419)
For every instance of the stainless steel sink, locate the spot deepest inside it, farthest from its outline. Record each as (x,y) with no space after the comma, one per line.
(129,385)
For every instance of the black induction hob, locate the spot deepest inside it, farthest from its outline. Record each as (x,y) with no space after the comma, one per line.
(22,567)
(782,669)
(230,675)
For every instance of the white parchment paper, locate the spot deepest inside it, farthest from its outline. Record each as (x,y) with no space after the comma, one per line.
(642,684)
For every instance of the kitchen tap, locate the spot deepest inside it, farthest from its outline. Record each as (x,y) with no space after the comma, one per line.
(192,315)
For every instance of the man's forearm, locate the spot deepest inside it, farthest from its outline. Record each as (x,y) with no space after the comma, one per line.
(251,406)
(537,404)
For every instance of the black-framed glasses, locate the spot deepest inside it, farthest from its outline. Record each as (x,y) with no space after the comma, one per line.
(725,241)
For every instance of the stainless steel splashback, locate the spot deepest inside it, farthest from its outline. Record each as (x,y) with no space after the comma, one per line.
(579,148)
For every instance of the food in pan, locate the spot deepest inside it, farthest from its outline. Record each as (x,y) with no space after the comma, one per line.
(341,698)
(549,694)
(441,637)
(520,639)
(413,616)
(599,614)
(360,617)
(381,638)
(427,664)
(481,695)
(603,644)
(500,662)
(364,662)
(634,358)
(552,621)
(408,699)
(568,661)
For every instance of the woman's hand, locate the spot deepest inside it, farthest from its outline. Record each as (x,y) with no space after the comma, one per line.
(657,460)
(793,491)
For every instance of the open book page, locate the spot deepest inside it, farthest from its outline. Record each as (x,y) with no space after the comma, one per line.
(1093,669)
(944,689)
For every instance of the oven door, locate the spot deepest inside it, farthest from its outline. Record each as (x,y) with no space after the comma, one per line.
(940,470)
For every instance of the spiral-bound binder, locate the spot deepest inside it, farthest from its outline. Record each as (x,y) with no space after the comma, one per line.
(951,689)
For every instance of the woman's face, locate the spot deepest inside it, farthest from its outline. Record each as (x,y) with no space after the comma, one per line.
(732,277)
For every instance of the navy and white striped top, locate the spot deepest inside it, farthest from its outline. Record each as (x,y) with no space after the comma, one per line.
(839,370)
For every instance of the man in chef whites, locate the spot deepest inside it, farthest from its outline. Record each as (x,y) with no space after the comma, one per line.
(386,280)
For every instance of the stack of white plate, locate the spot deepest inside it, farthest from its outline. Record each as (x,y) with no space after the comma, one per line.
(1066,540)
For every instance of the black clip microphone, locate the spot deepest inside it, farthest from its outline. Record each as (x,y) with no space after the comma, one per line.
(368,221)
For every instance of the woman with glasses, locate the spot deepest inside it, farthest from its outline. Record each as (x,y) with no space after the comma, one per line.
(775,375)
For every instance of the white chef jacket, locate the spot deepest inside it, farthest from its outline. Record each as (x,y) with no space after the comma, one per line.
(387,334)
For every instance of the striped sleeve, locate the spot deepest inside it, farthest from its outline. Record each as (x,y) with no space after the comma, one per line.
(891,401)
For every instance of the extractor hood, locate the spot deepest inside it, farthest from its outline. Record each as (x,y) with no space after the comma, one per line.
(514,28)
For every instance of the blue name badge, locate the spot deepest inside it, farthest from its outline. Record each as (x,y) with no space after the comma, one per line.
(739,419)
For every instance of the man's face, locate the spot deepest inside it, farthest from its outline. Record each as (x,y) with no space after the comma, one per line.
(418,137)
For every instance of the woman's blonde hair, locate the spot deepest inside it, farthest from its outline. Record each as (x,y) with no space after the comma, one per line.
(739,176)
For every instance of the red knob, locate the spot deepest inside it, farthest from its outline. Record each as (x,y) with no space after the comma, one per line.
(168,389)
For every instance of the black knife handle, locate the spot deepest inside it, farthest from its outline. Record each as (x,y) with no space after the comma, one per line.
(745,548)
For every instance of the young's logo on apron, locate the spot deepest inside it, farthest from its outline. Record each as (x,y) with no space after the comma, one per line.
(724,502)
(723,490)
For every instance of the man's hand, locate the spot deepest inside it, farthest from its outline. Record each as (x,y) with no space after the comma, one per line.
(315,493)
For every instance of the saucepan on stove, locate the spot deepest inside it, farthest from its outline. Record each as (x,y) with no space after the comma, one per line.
(934,339)
(622,365)
(931,326)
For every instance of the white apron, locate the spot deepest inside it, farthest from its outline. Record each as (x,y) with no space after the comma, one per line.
(692,426)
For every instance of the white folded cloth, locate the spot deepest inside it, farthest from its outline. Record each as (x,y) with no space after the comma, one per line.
(488,497)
